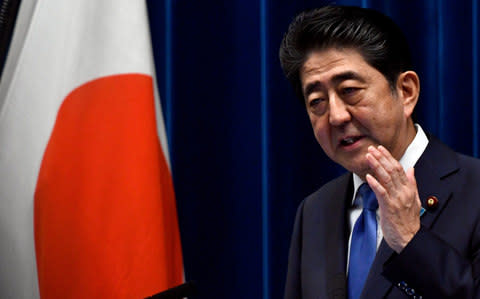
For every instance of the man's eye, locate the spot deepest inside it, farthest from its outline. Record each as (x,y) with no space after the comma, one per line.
(315,102)
(349,90)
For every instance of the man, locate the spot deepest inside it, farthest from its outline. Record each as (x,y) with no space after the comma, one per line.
(417,235)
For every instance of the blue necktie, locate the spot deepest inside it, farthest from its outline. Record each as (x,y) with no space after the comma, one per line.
(364,242)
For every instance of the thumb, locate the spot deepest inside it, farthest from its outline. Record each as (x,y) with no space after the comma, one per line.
(411,176)
(411,179)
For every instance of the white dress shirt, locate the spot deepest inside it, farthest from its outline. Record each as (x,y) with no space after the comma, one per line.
(408,160)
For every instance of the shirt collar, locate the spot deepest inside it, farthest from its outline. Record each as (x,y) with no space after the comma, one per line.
(409,158)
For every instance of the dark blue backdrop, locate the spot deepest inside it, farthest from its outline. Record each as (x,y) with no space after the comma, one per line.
(242,151)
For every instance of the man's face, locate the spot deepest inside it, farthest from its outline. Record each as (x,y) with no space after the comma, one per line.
(351,106)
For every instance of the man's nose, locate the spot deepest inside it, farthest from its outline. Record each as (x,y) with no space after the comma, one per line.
(338,113)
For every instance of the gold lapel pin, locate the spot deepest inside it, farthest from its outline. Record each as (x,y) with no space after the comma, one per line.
(432,202)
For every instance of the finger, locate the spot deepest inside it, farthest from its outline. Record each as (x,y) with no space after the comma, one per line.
(386,153)
(410,174)
(393,166)
(411,177)
(388,177)
(379,172)
(378,189)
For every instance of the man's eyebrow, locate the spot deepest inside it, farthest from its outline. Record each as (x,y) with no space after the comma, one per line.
(311,87)
(348,75)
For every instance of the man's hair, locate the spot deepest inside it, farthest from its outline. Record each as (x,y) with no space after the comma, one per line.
(375,36)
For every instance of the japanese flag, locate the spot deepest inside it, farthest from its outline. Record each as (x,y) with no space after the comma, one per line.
(87,207)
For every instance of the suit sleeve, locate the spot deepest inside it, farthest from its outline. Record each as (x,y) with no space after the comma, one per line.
(293,283)
(430,267)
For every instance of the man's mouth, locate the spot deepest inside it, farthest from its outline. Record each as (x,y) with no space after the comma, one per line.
(350,140)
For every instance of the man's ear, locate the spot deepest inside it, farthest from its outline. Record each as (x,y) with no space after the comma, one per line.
(408,90)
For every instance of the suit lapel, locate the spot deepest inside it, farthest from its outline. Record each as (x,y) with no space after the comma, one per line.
(376,286)
(338,236)
(442,161)
(436,164)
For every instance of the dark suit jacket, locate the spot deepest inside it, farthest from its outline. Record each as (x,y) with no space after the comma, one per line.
(441,261)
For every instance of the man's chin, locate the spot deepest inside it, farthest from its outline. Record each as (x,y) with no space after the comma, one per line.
(360,169)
